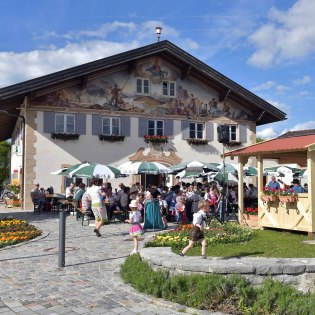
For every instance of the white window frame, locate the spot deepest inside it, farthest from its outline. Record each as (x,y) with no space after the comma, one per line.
(65,128)
(195,131)
(170,89)
(156,131)
(233,133)
(111,125)
(142,86)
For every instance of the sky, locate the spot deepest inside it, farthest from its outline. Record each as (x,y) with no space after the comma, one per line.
(268,46)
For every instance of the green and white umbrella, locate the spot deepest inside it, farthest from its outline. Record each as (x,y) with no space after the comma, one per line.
(66,170)
(153,168)
(96,170)
(202,166)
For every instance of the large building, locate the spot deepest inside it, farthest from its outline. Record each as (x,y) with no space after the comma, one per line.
(101,112)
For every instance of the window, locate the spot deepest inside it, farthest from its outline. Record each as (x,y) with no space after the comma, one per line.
(65,123)
(233,133)
(155,127)
(111,126)
(143,86)
(168,88)
(196,130)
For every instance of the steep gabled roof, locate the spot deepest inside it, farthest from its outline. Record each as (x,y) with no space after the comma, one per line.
(12,96)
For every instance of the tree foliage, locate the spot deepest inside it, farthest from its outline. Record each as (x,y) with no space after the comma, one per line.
(259,139)
(5,149)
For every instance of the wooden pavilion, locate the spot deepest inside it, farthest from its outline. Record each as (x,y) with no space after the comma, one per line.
(293,147)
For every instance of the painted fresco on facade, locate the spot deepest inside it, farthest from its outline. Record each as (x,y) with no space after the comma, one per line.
(118,92)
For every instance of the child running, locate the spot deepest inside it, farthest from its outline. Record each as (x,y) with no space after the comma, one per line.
(196,233)
(136,229)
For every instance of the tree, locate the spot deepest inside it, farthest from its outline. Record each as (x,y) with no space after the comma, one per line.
(5,149)
(259,139)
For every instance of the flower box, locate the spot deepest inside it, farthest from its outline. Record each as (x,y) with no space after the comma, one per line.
(271,198)
(287,198)
(233,143)
(111,138)
(155,139)
(65,136)
(197,141)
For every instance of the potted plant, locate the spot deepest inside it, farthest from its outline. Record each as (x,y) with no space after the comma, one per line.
(155,139)
(197,141)
(65,136)
(233,143)
(111,138)
(269,194)
(287,195)
(251,213)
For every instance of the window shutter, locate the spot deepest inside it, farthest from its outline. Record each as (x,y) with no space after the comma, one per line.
(209,131)
(80,124)
(49,122)
(143,126)
(243,133)
(96,125)
(125,126)
(185,129)
(169,128)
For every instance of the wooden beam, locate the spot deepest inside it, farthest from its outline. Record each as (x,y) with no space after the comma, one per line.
(186,72)
(84,80)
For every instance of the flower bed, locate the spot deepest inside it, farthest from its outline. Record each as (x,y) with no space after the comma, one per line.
(155,139)
(14,231)
(251,211)
(215,233)
(111,138)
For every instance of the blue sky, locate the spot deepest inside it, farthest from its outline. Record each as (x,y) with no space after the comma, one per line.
(266,46)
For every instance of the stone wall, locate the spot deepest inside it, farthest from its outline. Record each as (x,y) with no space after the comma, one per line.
(298,272)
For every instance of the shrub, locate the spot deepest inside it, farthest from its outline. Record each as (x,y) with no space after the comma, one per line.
(211,292)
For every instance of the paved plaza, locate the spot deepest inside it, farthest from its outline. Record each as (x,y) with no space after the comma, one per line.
(32,283)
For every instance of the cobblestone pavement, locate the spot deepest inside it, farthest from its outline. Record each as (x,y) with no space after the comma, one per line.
(32,283)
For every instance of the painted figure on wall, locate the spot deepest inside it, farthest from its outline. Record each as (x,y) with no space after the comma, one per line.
(118,92)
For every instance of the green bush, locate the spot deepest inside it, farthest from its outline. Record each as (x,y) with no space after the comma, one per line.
(211,292)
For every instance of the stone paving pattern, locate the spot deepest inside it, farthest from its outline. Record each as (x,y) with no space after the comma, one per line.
(32,283)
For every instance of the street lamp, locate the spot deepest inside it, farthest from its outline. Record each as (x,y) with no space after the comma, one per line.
(23,153)
(158,31)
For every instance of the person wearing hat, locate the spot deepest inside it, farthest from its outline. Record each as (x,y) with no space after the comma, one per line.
(297,188)
(135,229)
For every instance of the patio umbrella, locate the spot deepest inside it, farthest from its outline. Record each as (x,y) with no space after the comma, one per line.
(96,170)
(191,172)
(66,170)
(202,166)
(152,168)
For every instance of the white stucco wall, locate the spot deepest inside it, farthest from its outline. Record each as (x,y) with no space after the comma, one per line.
(53,154)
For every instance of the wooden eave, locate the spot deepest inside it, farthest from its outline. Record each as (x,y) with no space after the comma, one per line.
(12,96)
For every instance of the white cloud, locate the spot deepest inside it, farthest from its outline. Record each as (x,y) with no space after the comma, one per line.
(304,93)
(304,126)
(282,106)
(305,80)
(264,86)
(282,88)
(28,65)
(267,133)
(287,36)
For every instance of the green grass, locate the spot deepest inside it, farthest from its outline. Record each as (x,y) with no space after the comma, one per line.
(265,243)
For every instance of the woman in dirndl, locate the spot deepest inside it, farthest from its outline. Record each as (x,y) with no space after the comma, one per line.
(136,229)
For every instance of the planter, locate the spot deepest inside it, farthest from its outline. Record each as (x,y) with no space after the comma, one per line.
(271,198)
(287,198)
(193,141)
(65,136)
(111,138)
(233,143)
(156,139)
(253,217)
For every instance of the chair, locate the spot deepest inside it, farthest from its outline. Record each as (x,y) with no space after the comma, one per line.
(119,215)
(36,208)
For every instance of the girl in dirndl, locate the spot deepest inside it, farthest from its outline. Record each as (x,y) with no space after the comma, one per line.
(136,229)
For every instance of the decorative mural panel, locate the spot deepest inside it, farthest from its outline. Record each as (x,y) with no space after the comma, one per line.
(117,92)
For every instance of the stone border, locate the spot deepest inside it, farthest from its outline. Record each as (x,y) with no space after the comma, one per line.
(298,272)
